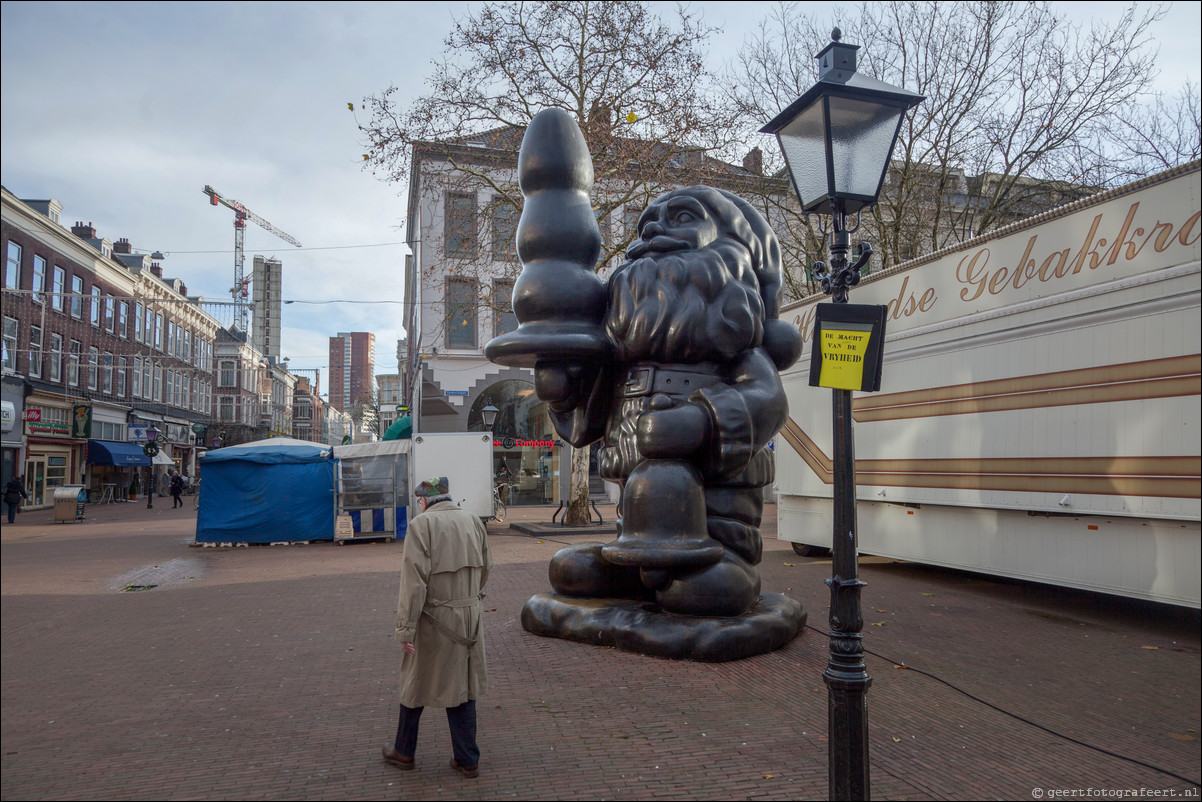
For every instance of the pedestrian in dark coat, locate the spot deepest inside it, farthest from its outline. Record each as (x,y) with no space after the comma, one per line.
(14,491)
(177,490)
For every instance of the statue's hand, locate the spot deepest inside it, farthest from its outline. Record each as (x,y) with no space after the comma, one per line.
(559,384)
(667,431)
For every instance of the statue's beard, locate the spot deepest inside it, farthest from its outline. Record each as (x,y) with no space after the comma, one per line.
(683,307)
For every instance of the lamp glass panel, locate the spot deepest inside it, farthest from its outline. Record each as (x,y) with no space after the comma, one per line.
(862,136)
(803,143)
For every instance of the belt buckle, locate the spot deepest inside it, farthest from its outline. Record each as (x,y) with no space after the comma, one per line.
(638,381)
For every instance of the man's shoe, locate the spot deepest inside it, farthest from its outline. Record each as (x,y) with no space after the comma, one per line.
(466,771)
(397,759)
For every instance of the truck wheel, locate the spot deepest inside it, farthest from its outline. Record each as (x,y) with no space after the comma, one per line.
(805,550)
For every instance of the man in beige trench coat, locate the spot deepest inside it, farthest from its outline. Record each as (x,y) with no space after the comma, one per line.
(439,624)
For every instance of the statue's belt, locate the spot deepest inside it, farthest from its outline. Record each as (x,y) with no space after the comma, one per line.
(650,379)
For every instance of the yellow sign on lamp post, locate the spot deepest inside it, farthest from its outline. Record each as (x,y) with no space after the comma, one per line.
(849,340)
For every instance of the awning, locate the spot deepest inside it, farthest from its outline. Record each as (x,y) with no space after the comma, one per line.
(161,459)
(110,452)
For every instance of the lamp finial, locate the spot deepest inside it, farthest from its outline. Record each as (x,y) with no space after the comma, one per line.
(836,35)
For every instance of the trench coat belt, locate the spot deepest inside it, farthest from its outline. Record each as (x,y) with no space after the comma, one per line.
(648,379)
(442,628)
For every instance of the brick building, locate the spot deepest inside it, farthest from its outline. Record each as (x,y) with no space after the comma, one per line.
(98,347)
(352,369)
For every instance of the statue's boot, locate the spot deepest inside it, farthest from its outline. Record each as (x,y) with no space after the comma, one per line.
(727,588)
(580,571)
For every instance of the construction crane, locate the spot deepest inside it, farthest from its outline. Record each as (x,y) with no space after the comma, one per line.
(241,215)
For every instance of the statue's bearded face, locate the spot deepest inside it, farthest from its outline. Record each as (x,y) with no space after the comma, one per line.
(688,293)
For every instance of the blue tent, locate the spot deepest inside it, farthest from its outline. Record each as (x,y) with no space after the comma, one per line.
(269,491)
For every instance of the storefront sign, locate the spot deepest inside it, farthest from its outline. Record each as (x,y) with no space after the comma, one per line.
(33,414)
(509,442)
(81,421)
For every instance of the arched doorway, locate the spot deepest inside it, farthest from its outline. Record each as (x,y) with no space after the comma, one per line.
(525,446)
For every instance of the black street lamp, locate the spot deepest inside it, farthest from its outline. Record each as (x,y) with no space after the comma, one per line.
(152,448)
(837,140)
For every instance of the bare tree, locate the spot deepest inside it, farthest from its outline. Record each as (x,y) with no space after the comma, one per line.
(1158,135)
(1015,95)
(638,87)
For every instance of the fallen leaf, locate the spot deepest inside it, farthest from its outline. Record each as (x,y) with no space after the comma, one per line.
(1153,648)
(928,594)
(790,564)
(768,776)
(897,740)
(1180,736)
(878,624)
(882,611)
(936,613)
(901,666)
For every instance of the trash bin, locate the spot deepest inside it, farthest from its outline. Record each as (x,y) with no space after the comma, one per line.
(69,502)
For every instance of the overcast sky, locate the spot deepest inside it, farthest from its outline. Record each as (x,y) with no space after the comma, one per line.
(124,111)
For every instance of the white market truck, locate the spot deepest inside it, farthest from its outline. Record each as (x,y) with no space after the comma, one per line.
(465,458)
(1038,416)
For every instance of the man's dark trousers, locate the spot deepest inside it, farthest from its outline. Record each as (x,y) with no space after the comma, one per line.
(462,721)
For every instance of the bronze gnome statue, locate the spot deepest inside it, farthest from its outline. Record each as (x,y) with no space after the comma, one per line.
(673,366)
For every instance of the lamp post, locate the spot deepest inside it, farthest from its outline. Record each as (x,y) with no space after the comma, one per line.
(489,415)
(837,140)
(152,448)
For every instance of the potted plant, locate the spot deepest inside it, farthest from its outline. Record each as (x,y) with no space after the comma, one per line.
(133,488)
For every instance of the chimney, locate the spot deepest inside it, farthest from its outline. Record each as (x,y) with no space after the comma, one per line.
(157,269)
(183,289)
(82,231)
(122,246)
(754,161)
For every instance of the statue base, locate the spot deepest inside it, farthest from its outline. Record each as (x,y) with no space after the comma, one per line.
(641,626)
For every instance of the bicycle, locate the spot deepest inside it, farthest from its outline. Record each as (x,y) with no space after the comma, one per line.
(499,507)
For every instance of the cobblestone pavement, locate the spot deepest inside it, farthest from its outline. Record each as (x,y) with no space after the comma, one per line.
(138,666)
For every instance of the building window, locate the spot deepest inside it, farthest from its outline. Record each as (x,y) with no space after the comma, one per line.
(225,408)
(138,336)
(504,230)
(107,386)
(10,343)
(35,352)
(158,385)
(502,302)
(187,353)
(461,314)
(73,363)
(227,375)
(135,384)
(123,320)
(39,278)
(12,267)
(146,393)
(58,287)
(109,314)
(94,311)
(158,331)
(93,366)
(460,224)
(56,358)
(121,365)
(77,297)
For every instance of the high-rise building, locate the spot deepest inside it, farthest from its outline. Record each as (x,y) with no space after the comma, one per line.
(267,280)
(352,368)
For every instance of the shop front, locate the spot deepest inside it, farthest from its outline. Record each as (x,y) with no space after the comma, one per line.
(526,449)
(114,470)
(53,457)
